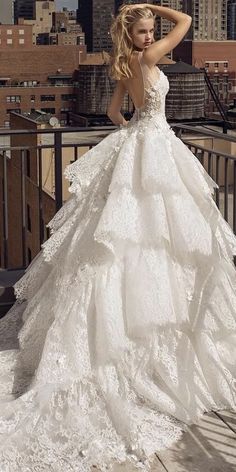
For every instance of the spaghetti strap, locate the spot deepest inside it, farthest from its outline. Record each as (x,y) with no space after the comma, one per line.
(143,80)
(149,75)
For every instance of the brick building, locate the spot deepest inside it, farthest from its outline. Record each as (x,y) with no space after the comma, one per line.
(15,36)
(45,82)
(18,209)
(219,59)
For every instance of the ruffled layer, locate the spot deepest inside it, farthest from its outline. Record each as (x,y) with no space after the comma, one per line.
(130,322)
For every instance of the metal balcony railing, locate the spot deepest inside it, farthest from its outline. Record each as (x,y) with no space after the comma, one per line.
(214,161)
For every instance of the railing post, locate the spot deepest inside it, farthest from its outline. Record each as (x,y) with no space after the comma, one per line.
(41,227)
(234,200)
(5,211)
(23,209)
(58,169)
(226,196)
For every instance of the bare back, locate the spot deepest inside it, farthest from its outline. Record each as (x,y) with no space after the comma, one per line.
(143,77)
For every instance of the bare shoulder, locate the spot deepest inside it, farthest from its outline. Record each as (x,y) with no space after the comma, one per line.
(163,46)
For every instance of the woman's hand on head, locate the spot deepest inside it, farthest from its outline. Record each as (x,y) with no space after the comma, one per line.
(134,6)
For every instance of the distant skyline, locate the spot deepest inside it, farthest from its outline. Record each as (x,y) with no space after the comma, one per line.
(70,4)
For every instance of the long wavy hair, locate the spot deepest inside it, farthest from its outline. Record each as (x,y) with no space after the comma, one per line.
(123,46)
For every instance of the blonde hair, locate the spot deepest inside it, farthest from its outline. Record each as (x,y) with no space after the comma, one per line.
(123,47)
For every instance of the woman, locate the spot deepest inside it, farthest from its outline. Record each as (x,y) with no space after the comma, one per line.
(129,310)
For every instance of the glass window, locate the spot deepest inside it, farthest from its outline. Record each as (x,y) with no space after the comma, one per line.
(13,99)
(9,41)
(9,31)
(47,98)
(21,31)
(21,41)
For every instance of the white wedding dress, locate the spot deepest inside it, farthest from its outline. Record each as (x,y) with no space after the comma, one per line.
(129,310)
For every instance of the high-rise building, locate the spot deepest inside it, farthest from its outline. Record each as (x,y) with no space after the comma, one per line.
(24,9)
(231,20)
(95,17)
(42,22)
(27,9)
(210,20)
(6,12)
(165,26)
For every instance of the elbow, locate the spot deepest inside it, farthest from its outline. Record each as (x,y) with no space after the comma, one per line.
(188,19)
(110,115)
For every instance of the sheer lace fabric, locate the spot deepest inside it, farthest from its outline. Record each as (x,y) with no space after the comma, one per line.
(127,317)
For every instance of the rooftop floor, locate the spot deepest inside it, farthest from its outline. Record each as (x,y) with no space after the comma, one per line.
(207,447)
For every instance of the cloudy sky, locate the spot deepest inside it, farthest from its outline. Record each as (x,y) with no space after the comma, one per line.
(71,4)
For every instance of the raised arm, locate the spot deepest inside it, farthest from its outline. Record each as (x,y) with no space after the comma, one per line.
(114,107)
(159,48)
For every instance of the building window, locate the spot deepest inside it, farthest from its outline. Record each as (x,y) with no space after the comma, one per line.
(216,64)
(49,110)
(68,97)
(66,109)
(7,124)
(21,31)
(9,41)
(47,98)
(28,218)
(32,98)
(225,65)
(21,41)
(29,83)
(9,31)
(13,99)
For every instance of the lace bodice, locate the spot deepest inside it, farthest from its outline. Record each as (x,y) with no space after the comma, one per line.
(155,98)
(156,87)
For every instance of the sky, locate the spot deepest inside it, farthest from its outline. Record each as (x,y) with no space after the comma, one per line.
(70,4)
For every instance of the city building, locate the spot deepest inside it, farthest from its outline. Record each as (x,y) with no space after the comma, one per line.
(95,17)
(37,207)
(45,82)
(219,60)
(64,31)
(16,208)
(231,19)
(63,38)
(15,36)
(209,20)
(6,12)
(24,9)
(42,21)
